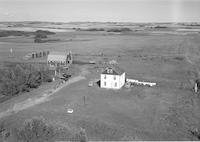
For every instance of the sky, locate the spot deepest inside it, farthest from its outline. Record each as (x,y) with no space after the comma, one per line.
(100,10)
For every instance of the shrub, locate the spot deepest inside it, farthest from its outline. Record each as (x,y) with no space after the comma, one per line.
(35,130)
(127,138)
(40,35)
(93,29)
(80,136)
(38,40)
(119,30)
(103,131)
(44,32)
(160,27)
(179,58)
(46,76)
(4,133)
(195,133)
(34,80)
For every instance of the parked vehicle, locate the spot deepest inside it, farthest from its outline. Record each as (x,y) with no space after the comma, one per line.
(66,75)
(90,84)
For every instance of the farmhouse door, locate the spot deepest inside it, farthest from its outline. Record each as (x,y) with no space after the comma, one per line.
(112,85)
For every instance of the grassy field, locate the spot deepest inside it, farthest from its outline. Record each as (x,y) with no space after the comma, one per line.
(167,111)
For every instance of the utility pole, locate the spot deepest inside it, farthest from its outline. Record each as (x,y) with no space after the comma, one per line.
(11,52)
(195,87)
(84,100)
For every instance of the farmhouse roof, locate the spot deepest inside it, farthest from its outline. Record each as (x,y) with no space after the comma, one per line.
(57,56)
(113,70)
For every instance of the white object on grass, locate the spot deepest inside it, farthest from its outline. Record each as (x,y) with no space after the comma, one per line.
(69,110)
(90,84)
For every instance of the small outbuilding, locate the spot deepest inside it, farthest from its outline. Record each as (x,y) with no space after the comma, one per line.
(112,77)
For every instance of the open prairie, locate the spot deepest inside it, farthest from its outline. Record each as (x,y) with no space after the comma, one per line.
(167,111)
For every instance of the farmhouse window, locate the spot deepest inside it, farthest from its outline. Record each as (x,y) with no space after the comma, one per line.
(104,83)
(115,84)
(114,77)
(105,77)
(109,70)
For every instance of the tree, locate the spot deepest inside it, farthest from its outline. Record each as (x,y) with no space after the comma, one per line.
(8,85)
(34,80)
(20,79)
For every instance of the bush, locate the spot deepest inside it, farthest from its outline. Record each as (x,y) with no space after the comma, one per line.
(39,40)
(196,133)
(46,76)
(34,80)
(44,32)
(40,35)
(160,27)
(80,136)
(103,131)
(93,29)
(119,30)
(4,133)
(35,130)
(127,138)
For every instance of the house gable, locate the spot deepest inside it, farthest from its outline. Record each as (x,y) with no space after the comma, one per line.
(114,70)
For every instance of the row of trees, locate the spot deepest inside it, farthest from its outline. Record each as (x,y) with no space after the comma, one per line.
(107,30)
(6,33)
(38,33)
(21,77)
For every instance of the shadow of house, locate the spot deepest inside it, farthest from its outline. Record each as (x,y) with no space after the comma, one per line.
(98,83)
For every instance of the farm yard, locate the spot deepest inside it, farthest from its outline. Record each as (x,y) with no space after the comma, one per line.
(168,111)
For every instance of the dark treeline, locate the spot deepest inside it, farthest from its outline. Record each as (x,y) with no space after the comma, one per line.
(107,30)
(38,33)
(119,30)
(16,78)
(5,33)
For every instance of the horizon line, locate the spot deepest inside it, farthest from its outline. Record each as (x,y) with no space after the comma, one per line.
(18,21)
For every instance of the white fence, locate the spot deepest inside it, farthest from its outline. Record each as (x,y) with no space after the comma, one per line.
(141,82)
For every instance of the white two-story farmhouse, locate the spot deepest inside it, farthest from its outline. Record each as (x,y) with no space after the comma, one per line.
(112,78)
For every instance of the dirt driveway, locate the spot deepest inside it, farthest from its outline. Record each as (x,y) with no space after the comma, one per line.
(41,98)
